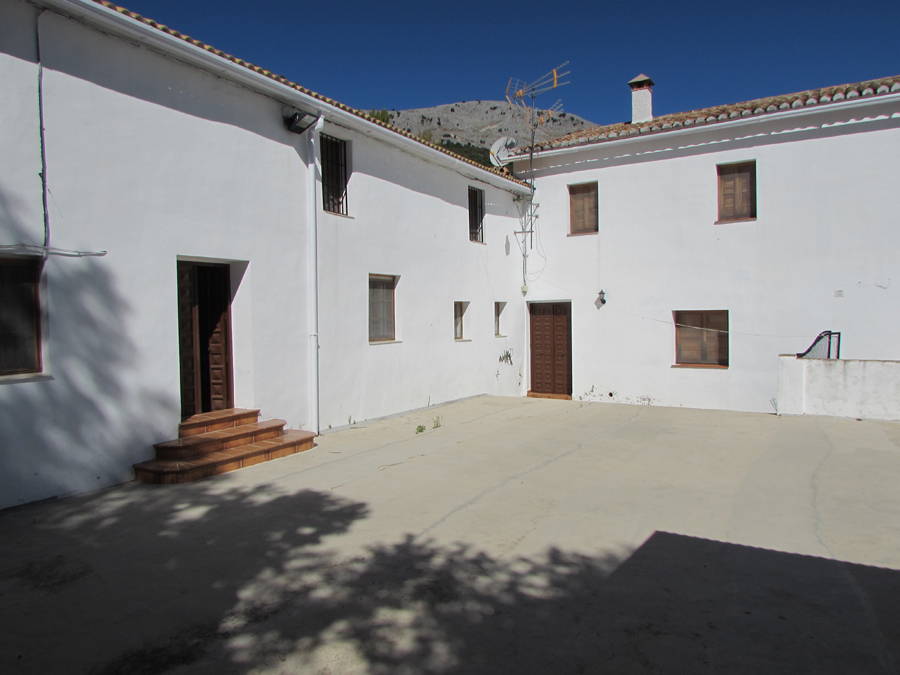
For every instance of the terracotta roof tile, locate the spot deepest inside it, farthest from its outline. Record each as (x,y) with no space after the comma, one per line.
(293,85)
(722,113)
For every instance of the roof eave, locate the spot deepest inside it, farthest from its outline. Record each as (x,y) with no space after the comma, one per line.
(730,123)
(126,26)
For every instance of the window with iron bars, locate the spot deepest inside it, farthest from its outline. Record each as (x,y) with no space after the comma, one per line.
(334,175)
(476,214)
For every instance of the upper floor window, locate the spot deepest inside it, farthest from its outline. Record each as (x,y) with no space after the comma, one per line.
(583,211)
(20,329)
(335,174)
(381,307)
(737,191)
(476,214)
(701,338)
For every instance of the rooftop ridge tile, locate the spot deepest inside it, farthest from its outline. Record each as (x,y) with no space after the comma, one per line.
(721,113)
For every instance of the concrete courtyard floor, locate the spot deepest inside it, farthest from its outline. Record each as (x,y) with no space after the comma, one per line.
(521,536)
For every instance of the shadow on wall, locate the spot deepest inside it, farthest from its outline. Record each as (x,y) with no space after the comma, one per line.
(84,426)
(217,579)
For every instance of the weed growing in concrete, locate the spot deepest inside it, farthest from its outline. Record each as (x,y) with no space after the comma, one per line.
(437,422)
(420,428)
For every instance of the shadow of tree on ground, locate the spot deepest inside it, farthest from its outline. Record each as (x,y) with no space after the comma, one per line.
(207,578)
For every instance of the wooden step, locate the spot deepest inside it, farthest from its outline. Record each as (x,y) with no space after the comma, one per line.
(213,421)
(223,439)
(176,471)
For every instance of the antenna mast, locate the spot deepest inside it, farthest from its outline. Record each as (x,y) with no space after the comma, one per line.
(523,94)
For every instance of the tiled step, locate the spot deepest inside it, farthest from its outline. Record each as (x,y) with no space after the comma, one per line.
(170,472)
(223,439)
(214,421)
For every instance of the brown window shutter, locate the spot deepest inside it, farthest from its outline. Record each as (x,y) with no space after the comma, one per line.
(583,208)
(576,211)
(727,196)
(737,191)
(701,337)
(718,322)
(689,340)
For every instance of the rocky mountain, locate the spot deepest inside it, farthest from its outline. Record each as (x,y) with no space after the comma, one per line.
(480,123)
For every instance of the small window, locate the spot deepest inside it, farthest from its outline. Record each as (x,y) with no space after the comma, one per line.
(583,208)
(701,338)
(498,310)
(737,191)
(459,310)
(381,307)
(476,214)
(335,174)
(20,329)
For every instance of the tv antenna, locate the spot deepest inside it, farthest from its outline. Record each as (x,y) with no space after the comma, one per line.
(523,95)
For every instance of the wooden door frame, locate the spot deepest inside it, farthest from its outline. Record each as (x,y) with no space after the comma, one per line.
(195,341)
(534,394)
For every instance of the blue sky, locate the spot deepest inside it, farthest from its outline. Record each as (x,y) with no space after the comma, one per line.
(402,54)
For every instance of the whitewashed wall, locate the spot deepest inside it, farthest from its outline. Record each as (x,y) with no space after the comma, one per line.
(410,220)
(825,224)
(839,388)
(152,161)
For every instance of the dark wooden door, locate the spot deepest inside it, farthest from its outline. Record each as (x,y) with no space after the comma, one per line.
(551,352)
(204,333)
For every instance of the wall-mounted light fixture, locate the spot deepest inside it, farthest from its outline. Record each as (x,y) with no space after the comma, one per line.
(602,297)
(299,121)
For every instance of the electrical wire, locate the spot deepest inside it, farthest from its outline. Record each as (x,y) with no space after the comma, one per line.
(671,322)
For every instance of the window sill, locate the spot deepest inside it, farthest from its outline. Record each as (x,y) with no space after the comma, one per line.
(735,220)
(462,340)
(707,366)
(25,377)
(385,342)
(473,241)
(338,215)
(583,234)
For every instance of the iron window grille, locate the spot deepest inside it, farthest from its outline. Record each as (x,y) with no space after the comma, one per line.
(335,174)
(381,307)
(476,214)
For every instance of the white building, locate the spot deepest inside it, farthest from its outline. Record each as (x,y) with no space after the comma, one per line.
(765,222)
(175,161)
(151,192)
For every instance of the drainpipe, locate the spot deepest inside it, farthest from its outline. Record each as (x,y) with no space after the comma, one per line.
(312,206)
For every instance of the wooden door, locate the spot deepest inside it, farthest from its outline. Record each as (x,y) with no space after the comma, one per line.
(204,331)
(551,353)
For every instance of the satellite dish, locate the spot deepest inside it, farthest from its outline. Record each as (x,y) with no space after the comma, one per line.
(502,149)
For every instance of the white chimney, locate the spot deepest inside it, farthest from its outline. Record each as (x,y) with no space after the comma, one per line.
(641,99)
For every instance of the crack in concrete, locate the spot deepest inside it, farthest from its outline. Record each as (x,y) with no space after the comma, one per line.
(517,476)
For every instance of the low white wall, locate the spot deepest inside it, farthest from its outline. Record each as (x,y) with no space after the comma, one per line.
(839,388)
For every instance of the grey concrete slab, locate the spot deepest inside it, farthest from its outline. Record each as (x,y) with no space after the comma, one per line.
(519,536)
